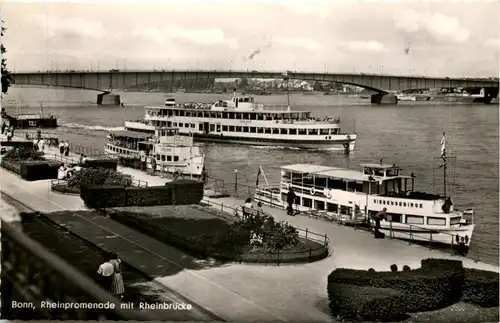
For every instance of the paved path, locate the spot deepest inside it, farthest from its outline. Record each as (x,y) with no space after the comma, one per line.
(269,292)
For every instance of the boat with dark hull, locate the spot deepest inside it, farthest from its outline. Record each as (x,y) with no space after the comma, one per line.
(29,120)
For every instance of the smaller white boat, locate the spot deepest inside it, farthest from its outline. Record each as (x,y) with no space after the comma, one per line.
(165,151)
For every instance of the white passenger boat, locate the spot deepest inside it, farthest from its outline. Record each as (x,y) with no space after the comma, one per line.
(165,150)
(242,121)
(355,196)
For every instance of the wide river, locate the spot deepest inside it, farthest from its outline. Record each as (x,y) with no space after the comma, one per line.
(407,134)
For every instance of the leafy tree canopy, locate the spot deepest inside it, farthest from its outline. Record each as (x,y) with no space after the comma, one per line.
(6,76)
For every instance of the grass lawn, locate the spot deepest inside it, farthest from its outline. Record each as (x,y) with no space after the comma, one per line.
(457,313)
(195,220)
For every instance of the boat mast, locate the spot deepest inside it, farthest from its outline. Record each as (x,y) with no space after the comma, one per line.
(443,156)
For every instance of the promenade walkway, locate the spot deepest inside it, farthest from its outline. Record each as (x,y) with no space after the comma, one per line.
(250,292)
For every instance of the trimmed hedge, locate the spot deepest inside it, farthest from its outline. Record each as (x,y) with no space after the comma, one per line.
(102,163)
(366,303)
(481,287)
(149,196)
(33,170)
(436,285)
(96,197)
(181,192)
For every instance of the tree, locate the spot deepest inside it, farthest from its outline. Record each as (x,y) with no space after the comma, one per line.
(243,83)
(6,76)
(317,86)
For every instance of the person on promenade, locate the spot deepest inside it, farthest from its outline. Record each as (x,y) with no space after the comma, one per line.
(247,208)
(35,145)
(80,160)
(41,145)
(260,212)
(378,217)
(105,272)
(61,172)
(290,199)
(117,287)
(61,147)
(66,148)
(4,126)
(204,175)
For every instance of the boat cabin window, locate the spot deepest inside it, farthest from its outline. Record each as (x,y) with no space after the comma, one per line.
(455,220)
(297,179)
(245,129)
(267,130)
(231,128)
(319,205)
(306,202)
(336,184)
(283,131)
(286,176)
(313,132)
(224,128)
(394,217)
(335,131)
(292,131)
(238,129)
(260,130)
(276,131)
(253,129)
(331,207)
(324,131)
(302,131)
(414,219)
(319,182)
(436,221)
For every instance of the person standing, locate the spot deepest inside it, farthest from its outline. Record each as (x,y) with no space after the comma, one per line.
(290,199)
(117,287)
(61,148)
(66,148)
(41,145)
(378,217)
(105,272)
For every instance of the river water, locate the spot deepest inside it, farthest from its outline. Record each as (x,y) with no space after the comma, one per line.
(407,134)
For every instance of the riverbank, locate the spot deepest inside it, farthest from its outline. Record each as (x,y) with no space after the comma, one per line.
(256,292)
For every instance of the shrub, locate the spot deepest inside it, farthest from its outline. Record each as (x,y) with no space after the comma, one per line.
(23,154)
(481,287)
(394,267)
(96,197)
(406,268)
(185,191)
(366,303)
(371,270)
(111,164)
(435,285)
(99,176)
(149,196)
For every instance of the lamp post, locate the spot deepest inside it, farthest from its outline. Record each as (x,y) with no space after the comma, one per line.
(236,181)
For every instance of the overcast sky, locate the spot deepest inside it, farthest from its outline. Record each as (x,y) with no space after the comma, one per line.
(444,39)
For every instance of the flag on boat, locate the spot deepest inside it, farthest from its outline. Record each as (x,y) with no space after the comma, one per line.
(443,147)
(258,175)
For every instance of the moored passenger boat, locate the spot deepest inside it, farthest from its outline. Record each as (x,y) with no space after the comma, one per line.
(356,196)
(165,151)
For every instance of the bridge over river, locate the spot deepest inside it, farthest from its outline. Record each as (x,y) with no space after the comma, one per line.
(383,85)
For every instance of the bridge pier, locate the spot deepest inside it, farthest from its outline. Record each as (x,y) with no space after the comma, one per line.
(490,93)
(107,98)
(384,98)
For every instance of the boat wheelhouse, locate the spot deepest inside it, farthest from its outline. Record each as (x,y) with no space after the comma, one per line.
(241,120)
(165,151)
(356,196)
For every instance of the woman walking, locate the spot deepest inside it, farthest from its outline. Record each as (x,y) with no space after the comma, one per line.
(117,288)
